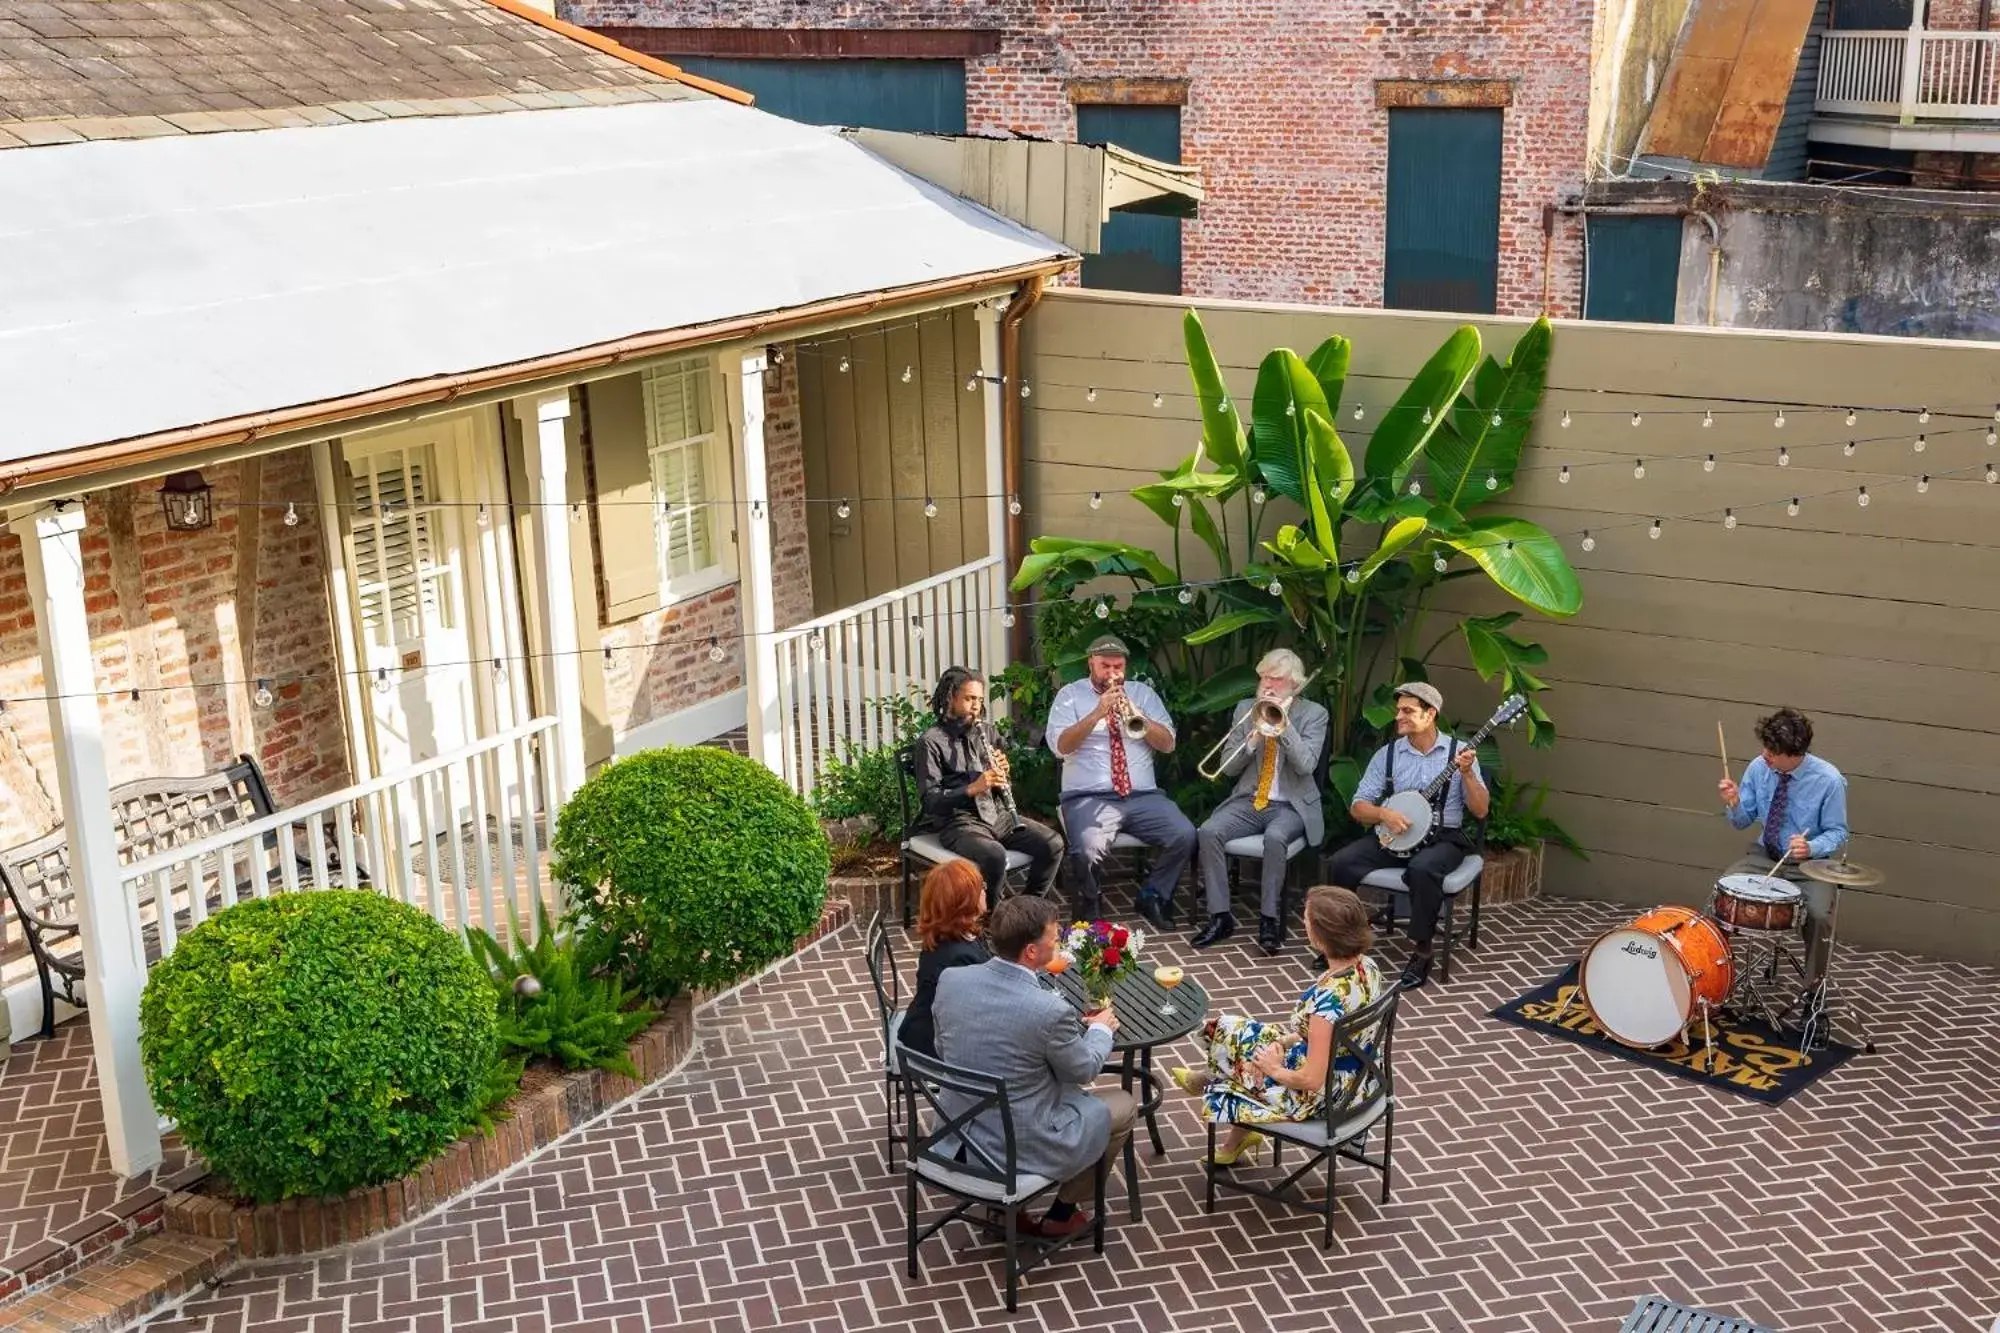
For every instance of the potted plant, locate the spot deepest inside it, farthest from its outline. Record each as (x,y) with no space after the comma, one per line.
(1517,832)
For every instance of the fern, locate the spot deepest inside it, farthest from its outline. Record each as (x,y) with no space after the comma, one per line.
(553,1004)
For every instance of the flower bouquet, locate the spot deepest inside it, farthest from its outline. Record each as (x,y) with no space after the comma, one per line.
(1101,953)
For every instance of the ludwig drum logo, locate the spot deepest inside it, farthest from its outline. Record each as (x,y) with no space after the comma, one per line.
(1639,950)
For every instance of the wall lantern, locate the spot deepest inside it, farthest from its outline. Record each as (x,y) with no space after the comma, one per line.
(188,502)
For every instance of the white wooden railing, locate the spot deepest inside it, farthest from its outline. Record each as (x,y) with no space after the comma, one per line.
(836,673)
(459,836)
(1911,75)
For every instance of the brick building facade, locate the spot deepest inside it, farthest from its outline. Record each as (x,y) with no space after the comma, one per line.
(1285,109)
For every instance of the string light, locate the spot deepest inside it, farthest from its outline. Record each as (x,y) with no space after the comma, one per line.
(1924,417)
(1007,618)
(484,519)
(1257,494)
(1639,469)
(1186,595)
(1014,505)
(1440,564)
(930,507)
(1226,408)
(1427,415)
(381,680)
(262,698)
(1159,400)
(1708,464)
(1636,419)
(1180,501)
(1848,449)
(291,514)
(816,641)
(135,694)
(1589,542)
(916,627)
(777,355)
(843,509)
(1358,412)
(1784,457)
(971,383)
(1492,482)
(1923,484)
(1496,418)
(1277,589)
(715,653)
(1097,499)
(1852,416)
(1416,486)
(1992,475)
(1861,498)
(1654,533)
(1992,437)
(845,365)
(1565,421)
(1090,395)
(1729,518)
(1103,609)
(607,654)
(1707,418)
(1563,476)
(1919,446)
(1778,421)
(1026,389)
(757,511)
(1354,574)
(1292,410)
(1793,507)
(908,375)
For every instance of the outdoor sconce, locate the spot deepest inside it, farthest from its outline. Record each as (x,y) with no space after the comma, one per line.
(188,502)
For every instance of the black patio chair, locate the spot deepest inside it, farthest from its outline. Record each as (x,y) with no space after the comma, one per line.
(1466,879)
(1657,1314)
(943,1160)
(1356,1102)
(888,1007)
(925,847)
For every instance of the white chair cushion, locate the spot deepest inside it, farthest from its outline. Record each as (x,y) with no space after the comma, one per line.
(1456,882)
(892,1058)
(927,846)
(1125,842)
(1026,1184)
(1251,848)
(1312,1133)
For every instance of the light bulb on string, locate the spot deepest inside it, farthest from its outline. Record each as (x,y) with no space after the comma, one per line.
(1159,400)
(1097,499)
(1778,421)
(1496,418)
(135,694)
(291,514)
(777,356)
(1492,482)
(1007,618)
(262,698)
(1275,588)
(1852,416)
(1564,423)
(816,641)
(1848,449)
(1180,501)
(1226,408)
(1707,417)
(1996,411)
(1257,494)
(1359,412)
(1507,545)
(1992,437)
(1354,574)
(1014,505)
(1918,447)
(916,627)
(971,383)
(1636,418)
(715,652)
(842,509)
(1416,487)
(1027,389)
(930,507)
(1784,457)
(1440,564)
(1861,497)
(845,365)
(1654,532)
(1792,508)
(1924,417)
(1589,542)
(1563,475)
(756,511)
(1292,410)
(1186,596)
(381,680)
(908,374)
(1090,394)
(1639,469)
(1427,415)
(1103,609)
(483,519)
(1992,474)
(1923,484)
(607,654)
(1729,518)
(1708,464)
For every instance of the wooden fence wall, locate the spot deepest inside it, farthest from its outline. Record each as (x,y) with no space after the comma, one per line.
(1882,622)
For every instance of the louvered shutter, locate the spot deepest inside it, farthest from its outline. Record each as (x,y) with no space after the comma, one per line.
(627,548)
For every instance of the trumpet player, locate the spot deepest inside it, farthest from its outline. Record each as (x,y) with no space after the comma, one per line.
(1106,730)
(963,783)
(1276,796)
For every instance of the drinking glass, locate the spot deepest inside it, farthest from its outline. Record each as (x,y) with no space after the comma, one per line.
(1168,977)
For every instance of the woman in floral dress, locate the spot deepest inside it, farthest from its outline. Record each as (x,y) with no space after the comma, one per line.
(1258,1072)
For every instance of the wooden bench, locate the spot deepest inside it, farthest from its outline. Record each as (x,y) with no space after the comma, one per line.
(153,815)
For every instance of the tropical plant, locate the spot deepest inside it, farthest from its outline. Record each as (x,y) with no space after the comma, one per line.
(863,781)
(311,1043)
(689,868)
(1354,580)
(552,1004)
(1515,818)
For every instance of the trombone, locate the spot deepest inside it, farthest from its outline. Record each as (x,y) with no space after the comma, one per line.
(1269,718)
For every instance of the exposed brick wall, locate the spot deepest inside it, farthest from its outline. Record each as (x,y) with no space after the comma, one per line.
(643,684)
(1280,115)
(166,617)
(1957,16)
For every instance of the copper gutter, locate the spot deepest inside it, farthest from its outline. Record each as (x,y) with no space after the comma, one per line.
(1013,450)
(446,389)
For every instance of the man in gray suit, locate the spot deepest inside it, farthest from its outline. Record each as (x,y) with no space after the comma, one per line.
(999,1019)
(1277,795)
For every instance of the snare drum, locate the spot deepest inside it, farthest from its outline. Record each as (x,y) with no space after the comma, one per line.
(1643,982)
(1756,902)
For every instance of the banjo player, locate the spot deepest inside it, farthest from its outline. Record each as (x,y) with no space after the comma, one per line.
(1411,762)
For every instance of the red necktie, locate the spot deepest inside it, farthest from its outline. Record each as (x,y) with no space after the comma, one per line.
(1121,770)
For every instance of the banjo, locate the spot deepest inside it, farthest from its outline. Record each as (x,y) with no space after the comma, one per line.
(1419,807)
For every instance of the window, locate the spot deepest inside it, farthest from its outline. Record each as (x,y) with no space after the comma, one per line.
(1137,253)
(404,571)
(688,473)
(1443,209)
(925,96)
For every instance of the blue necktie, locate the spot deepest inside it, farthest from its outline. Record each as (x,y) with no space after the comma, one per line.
(1774,821)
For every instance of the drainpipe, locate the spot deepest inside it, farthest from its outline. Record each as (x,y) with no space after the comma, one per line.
(1011,446)
(1714,260)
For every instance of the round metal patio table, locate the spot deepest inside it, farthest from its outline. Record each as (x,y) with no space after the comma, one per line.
(1141,1028)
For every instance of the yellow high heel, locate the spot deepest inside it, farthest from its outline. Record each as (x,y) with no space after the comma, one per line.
(1252,1147)
(1193,1082)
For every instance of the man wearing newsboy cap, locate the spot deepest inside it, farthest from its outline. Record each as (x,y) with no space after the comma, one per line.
(1107,782)
(1412,762)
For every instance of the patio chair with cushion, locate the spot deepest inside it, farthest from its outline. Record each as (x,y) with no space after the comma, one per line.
(1358,1100)
(1469,875)
(1251,849)
(925,847)
(888,1007)
(940,1159)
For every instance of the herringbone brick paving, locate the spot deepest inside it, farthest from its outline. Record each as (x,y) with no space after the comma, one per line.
(1540,1186)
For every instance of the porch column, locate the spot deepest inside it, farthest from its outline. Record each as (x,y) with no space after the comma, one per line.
(544,438)
(114,966)
(760,650)
(994,633)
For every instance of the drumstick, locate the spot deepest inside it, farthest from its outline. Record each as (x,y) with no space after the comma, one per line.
(1723,745)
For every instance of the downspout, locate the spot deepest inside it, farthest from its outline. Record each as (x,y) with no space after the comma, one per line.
(1714,260)
(1012,448)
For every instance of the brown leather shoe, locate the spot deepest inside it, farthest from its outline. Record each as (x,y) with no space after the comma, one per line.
(1069,1226)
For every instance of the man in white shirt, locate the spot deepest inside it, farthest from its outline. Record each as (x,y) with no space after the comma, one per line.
(1107,783)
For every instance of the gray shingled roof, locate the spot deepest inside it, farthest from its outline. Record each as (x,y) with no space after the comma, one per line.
(72,69)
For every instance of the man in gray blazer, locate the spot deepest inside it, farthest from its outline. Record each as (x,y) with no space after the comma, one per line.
(998,1018)
(1277,795)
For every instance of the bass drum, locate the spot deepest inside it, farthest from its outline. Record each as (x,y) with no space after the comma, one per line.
(1643,982)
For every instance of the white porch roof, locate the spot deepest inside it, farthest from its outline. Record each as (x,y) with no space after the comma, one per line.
(152,285)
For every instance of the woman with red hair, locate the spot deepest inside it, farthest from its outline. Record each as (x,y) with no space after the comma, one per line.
(949,918)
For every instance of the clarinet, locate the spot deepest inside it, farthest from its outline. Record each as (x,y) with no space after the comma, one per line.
(1005,790)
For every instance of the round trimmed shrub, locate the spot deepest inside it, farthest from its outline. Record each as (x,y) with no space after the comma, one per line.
(312,1043)
(690,868)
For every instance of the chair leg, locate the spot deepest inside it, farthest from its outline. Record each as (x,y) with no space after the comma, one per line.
(1472,926)
(889,1122)
(912,1212)
(1208,1169)
(1103,1178)
(1332,1165)
(1388,1145)
(906,890)
(1448,927)
(1131,1179)
(48,1004)
(1013,1257)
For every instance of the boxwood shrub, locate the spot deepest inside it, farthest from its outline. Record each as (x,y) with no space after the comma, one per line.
(689,867)
(311,1043)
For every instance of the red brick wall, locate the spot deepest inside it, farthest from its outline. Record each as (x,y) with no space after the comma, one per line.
(1281,113)
(166,617)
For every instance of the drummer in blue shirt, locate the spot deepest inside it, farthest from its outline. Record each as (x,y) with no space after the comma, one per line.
(1798,801)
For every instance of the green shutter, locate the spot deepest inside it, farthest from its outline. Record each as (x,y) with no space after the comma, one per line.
(1443,248)
(925,96)
(1632,268)
(1136,253)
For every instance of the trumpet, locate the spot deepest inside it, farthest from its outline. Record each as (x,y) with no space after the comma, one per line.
(1130,720)
(1269,718)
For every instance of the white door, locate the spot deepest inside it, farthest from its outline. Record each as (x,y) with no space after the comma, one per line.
(414,621)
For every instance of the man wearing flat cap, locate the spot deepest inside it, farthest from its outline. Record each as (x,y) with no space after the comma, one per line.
(1412,762)
(1106,729)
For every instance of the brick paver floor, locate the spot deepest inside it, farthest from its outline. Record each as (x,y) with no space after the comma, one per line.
(1540,1186)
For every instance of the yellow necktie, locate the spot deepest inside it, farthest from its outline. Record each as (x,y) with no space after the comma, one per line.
(1266,770)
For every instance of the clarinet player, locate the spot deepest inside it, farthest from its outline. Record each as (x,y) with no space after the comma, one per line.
(967,803)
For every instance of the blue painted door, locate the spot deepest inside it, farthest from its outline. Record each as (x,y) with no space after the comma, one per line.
(1634,271)
(926,96)
(1443,207)
(1137,253)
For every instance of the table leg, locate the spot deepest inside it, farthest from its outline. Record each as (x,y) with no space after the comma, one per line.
(1152,1102)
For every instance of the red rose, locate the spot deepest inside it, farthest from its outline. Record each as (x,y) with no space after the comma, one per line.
(1112,957)
(1120,937)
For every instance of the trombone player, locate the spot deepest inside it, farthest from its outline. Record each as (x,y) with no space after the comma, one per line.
(1273,747)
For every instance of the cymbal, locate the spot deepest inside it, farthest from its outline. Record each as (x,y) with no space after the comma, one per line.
(1847,874)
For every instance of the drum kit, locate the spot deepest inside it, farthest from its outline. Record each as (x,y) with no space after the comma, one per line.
(1648,981)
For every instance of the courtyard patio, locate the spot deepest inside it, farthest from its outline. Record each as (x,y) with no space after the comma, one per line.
(1539,1185)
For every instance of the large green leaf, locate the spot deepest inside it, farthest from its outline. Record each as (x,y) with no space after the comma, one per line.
(1330,481)
(1204,527)
(1293,546)
(1393,541)
(1328,365)
(1049,555)
(1471,447)
(1221,690)
(1404,431)
(1221,423)
(1286,393)
(1231,621)
(1527,563)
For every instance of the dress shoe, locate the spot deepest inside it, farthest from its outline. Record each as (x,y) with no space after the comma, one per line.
(1077,1221)
(1416,972)
(1194,1082)
(1155,912)
(1252,1147)
(1219,928)
(1270,934)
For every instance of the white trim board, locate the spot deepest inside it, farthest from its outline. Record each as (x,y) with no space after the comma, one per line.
(690,726)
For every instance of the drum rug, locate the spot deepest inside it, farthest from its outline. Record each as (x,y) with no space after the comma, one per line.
(1751,1058)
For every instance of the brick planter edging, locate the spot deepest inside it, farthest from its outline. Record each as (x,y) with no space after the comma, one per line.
(539,1118)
